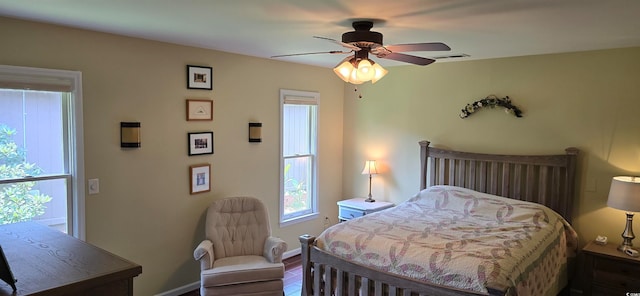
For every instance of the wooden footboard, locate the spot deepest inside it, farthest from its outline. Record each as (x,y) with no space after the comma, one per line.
(325,274)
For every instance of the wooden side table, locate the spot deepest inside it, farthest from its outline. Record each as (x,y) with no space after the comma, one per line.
(357,207)
(609,271)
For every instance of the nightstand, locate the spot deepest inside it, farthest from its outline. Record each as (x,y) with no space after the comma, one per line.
(609,271)
(357,207)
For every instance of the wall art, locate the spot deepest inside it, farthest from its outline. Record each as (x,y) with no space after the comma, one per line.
(200,143)
(199,110)
(200,178)
(199,77)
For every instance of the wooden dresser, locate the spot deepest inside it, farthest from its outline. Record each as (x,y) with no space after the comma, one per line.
(609,271)
(48,262)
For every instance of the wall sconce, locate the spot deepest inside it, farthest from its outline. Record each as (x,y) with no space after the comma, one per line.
(130,134)
(255,132)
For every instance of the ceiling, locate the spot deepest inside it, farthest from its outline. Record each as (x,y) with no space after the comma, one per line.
(263,28)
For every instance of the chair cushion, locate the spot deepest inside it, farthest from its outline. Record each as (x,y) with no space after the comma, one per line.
(270,288)
(240,270)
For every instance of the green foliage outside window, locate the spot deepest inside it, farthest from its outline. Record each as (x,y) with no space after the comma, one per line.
(18,201)
(295,195)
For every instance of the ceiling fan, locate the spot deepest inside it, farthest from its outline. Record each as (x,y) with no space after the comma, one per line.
(359,68)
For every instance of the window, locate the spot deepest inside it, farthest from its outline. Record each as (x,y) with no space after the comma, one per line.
(299,156)
(41,168)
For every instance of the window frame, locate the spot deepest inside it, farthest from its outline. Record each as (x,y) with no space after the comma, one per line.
(288,97)
(52,79)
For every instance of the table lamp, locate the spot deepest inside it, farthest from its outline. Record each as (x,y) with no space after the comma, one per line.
(624,194)
(370,169)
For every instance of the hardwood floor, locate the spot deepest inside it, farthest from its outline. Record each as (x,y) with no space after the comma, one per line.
(292,278)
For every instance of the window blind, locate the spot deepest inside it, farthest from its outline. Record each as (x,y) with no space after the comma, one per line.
(298,100)
(18,78)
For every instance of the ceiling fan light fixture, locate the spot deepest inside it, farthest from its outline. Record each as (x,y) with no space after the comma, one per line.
(344,70)
(365,70)
(356,70)
(379,73)
(353,78)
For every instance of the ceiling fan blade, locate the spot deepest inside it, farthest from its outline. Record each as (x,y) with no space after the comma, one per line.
(347,45)
(310,53)
(432,46)
(420,61)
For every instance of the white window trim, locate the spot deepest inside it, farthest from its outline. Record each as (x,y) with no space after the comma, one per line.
(76,140)
(303,97)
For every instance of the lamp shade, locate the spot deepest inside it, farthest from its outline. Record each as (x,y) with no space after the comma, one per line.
(353,78)
(370,168)
(130,134)
(379,73)
(344,69)
(365,70)
(624,194)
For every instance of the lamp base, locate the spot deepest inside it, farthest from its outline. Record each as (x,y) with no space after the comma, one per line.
(627,235)
(370,199)
(623,248)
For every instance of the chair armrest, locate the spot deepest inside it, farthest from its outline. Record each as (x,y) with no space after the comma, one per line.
(204,254)
(274,247)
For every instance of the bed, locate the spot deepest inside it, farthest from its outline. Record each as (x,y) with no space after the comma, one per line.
(371,255)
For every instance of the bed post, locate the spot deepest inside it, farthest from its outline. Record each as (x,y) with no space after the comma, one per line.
(306,242)
(424,155)
(572,153)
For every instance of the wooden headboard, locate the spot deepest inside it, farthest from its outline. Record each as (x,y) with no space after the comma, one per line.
(543,179)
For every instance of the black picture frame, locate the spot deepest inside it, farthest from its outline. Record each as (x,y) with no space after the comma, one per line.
(200,143)
(199,77)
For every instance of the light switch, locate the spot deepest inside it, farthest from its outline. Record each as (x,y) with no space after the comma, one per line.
(94,186)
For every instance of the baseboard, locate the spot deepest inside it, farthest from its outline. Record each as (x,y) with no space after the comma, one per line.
(195,286)
(291,253)
(181,290)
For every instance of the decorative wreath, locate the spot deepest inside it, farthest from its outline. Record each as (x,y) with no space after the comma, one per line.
(491,101)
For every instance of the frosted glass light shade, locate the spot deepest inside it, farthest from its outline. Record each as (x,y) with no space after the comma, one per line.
(344,70)
(353,78)
(379,73)
(365,70)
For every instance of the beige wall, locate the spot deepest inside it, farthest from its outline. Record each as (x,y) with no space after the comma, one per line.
(589,100)
(144,211)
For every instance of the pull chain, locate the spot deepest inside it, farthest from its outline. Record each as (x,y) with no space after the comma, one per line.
(355,89)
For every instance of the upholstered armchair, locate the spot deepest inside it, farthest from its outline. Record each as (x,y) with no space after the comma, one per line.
(239,256)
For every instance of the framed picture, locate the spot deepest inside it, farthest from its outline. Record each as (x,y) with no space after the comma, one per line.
(200,178)
(199,77)
(199,109)
(200,143)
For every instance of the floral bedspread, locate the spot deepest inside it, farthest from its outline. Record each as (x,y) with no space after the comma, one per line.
(461,238)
